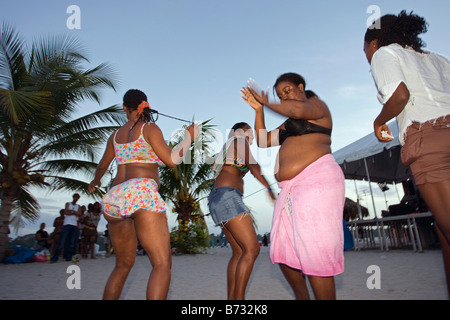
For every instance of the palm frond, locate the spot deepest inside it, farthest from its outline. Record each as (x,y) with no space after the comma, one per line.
(102,75)
(84,143)
(113,115)
(68,167)
(203,179)
(25,209)
(190,176)
(12,51)
(54,49)
(56,65)
(21,105)
(73,185)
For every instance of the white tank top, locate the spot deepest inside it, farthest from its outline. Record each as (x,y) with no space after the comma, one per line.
(72,219)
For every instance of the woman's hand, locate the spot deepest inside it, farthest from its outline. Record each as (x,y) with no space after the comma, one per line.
(253,99)
(382,132)
(271,195)
(93,184)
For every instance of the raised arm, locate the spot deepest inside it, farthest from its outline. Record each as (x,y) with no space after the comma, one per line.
(170,157)
(311,108)
(264,138)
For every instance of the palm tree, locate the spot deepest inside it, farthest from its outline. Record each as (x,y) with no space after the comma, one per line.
(41,145)
(187,182)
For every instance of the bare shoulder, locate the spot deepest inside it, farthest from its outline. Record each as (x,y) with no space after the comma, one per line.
(151,128)
(153,134)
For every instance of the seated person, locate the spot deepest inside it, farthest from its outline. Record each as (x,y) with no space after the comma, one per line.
(42,237)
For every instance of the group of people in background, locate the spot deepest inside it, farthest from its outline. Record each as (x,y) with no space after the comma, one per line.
(75,231)
(307,235)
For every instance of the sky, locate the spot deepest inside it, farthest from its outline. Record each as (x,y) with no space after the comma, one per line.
(191,58)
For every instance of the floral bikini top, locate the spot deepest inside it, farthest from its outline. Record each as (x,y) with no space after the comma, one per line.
(138,151)
(221,159)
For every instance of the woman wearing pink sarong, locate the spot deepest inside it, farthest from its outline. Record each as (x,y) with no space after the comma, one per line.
(307,235)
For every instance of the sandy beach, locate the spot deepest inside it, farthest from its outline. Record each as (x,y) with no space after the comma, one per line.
(404,275)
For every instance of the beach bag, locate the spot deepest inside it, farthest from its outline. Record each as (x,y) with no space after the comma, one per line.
(39,257)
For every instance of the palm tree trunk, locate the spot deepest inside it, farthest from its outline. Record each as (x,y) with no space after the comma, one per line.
(5,213)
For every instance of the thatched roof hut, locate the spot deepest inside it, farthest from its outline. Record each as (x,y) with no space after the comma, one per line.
(351,210)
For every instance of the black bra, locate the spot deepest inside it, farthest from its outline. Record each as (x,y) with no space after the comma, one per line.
(299,127)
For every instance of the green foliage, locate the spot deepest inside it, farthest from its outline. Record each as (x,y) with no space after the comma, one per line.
(183,186)
(190,237)
(41,143)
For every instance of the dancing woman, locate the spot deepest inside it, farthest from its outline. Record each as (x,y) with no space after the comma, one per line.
(414,86)
(307,234)
(228,209)
(133,207)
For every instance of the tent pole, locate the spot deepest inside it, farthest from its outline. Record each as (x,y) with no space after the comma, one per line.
(380,226)
(357,202)
(396,190)
(370,187)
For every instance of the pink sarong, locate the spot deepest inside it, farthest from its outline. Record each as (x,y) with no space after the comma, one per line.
(307,232)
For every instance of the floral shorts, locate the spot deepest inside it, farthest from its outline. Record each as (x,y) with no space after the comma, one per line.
(123,200)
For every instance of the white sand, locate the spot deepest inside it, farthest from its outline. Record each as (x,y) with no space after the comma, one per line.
(404,275)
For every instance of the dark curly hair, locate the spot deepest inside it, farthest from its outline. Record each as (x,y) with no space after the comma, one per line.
(295,79)
(403,29)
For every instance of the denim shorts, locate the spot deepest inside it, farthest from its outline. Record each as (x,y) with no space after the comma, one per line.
(225,203)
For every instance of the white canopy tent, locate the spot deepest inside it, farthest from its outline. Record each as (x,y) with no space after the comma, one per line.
(374,161)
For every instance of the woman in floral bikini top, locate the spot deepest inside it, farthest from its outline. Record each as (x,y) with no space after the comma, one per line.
(138,151)
(133,207)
